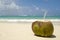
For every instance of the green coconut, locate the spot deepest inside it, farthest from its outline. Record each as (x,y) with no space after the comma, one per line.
(42,28)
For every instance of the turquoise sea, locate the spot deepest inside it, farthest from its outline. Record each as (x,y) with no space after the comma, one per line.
(29,17)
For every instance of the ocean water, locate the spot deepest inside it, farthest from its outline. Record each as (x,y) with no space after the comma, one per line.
(29,17)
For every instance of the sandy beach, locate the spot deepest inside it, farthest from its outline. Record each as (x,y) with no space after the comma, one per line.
(23,31)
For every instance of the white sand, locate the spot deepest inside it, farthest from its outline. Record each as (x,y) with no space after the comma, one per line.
(23,31)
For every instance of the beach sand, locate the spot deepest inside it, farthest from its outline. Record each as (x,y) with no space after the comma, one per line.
(23,31)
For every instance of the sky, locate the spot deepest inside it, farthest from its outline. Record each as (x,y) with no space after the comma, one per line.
(29,7)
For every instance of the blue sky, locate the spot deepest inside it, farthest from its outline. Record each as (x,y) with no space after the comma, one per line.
(29,7)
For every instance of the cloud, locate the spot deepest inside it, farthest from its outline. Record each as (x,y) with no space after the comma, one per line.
(10,8)
(6,1)
(13,5)
(37,8)
(8,4)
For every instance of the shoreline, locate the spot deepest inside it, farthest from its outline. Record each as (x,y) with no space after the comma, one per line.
(28,20)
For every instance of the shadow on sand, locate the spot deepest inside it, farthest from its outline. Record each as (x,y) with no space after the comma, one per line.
(53,36)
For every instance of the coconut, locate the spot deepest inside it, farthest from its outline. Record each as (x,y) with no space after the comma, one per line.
(42,28)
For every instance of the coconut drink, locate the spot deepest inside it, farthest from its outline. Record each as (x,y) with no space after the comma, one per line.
(42,28)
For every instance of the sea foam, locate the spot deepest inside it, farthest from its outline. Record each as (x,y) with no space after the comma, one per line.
(28,20)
